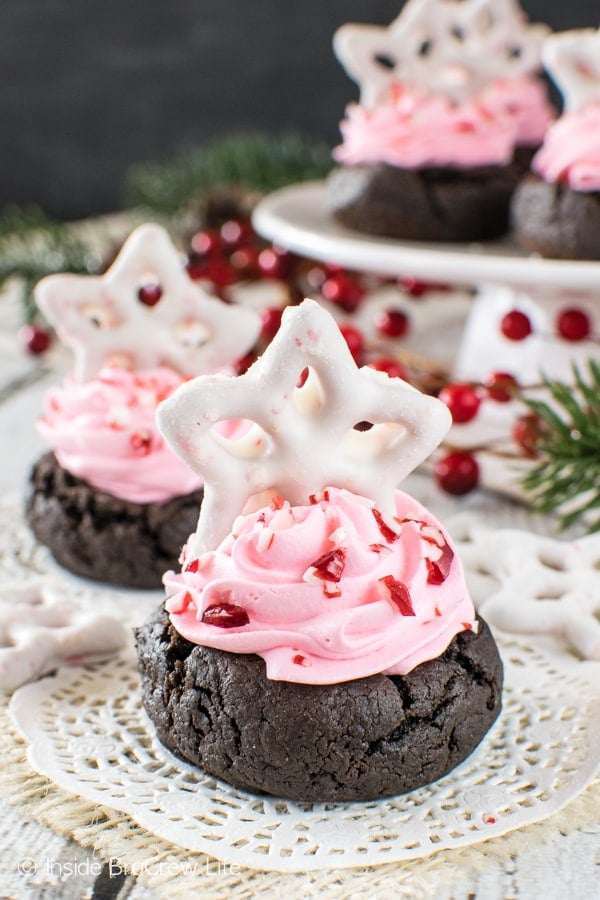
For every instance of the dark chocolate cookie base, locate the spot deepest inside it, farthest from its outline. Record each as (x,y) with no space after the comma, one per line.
(556,221)
(98,536)
(436,204)
(359,740)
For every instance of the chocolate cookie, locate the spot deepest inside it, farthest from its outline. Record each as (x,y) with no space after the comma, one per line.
(436,204)
(99,536)
(359,740)
(555,221)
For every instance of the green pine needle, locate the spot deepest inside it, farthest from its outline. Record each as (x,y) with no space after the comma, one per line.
(566,478)
(253,160)
(33,245)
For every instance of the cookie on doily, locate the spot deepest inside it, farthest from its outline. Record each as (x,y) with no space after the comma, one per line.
(450,111)
(110,500)
(319,641)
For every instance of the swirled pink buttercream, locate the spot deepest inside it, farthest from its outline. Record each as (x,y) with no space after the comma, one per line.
(414,131)
(327,592)
(104,432)
(571,151)
(525,101)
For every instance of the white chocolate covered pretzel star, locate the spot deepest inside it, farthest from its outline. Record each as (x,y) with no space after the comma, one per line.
(537,585)
(572,59)
(145,311)
(302,399)
(445,47)
(39,632)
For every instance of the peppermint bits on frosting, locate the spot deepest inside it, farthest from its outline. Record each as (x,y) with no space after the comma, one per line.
(309,441)
(145,312)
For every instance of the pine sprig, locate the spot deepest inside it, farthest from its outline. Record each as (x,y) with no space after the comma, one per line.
(566,478)
(256,161)
(33,245)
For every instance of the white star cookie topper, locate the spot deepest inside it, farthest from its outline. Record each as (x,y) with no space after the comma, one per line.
(303,398)
(39,632)
(441,47)
(534,584)
(572,59)
(145,312)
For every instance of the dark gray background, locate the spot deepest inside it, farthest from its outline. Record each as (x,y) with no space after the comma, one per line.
(88,88)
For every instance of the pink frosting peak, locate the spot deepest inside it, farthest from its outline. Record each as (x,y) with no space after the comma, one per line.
(104,432)
(571,151)
(327,592)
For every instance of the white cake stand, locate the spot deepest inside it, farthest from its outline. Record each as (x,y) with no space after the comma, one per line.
(298,219)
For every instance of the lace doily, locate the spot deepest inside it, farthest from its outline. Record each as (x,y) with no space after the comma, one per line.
(87,732)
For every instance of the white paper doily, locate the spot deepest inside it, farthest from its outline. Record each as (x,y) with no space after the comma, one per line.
(87,732)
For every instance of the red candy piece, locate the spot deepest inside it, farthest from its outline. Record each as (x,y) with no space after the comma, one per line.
(399,595)
(389,535)
(330,566)
(225,615)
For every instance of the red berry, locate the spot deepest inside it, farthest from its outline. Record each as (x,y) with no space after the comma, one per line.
(515,325)
(225,615)
(34,339)
(414,287)
(245,261)
(273,263)
(206,243)
(457,472)
(342,290)
(526,432)
(271,320)
(390,366)
(218,271)
(315,277)
(393,323)
(462,400)
(236,232)
(573,324)
(501,386)
(355,341)
(149,294)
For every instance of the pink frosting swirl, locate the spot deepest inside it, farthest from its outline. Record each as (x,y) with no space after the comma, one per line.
(327,592)
(415,131)
(525,101)
(104,432)
(571,151)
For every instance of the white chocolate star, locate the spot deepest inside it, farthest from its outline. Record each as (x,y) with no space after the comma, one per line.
(537,585)
(573,62)
(102,317)
(39,631)
(301,438)
(441,47)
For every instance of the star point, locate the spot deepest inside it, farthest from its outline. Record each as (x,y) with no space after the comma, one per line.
(147,311)
(441,47)
(301,402)
(572,59)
